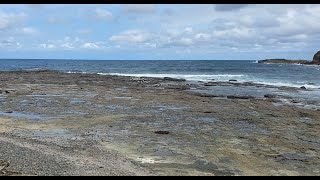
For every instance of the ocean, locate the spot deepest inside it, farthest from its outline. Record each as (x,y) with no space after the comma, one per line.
(291,75)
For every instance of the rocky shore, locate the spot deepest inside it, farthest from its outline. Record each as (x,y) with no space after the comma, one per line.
(54,123)
(315,61)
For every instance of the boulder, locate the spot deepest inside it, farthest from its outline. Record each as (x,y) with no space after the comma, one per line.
(162,132)
(316,58)
(240,97)
(173,79)
(210,84)
(270,96)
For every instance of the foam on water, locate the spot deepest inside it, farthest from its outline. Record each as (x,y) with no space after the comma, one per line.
(219,77)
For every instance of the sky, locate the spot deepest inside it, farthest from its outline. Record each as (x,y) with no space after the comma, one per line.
(159,31)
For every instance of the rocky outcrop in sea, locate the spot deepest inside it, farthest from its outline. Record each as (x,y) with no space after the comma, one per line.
(315,61)
(316,58)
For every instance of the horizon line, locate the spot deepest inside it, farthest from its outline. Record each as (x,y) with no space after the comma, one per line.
(131,59)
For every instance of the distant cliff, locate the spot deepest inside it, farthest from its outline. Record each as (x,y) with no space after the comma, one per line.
(316,60)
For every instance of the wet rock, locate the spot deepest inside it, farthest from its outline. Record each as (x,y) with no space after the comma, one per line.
(9,112)
(207,112)
(162,132)
(303,87)
(240,97)
(289,158)
(210,84)
(173,79)
(233,80)
(208,95)
(249,84)
(270,96)
(178,87)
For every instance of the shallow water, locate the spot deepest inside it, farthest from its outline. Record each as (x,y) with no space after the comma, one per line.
(21,115)
(311,96)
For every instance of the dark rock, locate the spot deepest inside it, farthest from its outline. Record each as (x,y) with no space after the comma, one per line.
(233,80)
(207,112)
(316,58)
(178,87)
(303,87)
(210,84)
(173,79)
(162,132)
(270,96)
(7,92)
(9,112)
(240,97)
(207,95)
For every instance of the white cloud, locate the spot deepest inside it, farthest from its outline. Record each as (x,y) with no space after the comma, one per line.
(201,28)
(8,20)
(102,14)
(36,6)
(67,46)
(47,46)
(57,20)
(151,45)
(140,8)
(90,46)
(185,41)
(203,37)
(188,29)
(10,43)
(229,7)
(131,36)
(29,31)
(71,43)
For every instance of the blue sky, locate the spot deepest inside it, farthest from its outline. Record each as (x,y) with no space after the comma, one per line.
(147,31)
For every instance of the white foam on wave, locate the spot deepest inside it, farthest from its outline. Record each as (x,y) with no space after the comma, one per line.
(278,84)
(77,72)
(189,77)
(217,77)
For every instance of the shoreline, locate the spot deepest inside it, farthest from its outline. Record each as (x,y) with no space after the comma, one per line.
(180,76)
(175,78)
(115,125)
